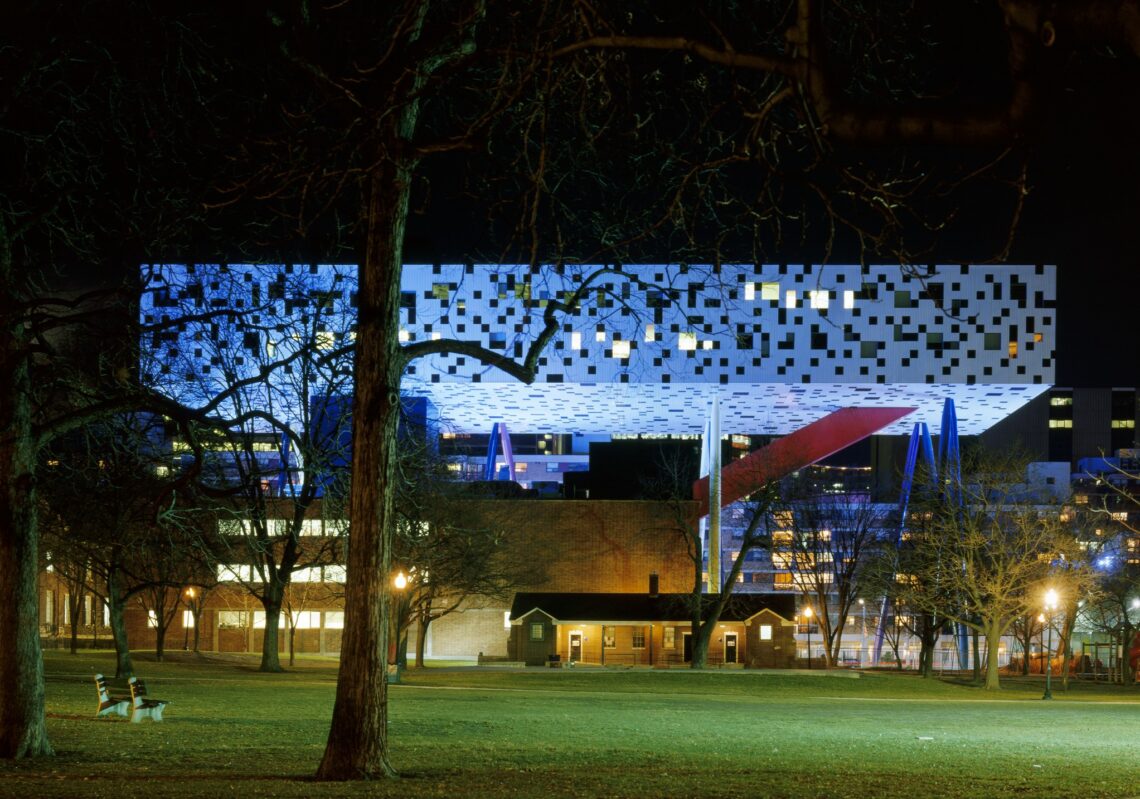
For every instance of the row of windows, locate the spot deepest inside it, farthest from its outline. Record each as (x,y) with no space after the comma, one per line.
(303,620)
(242,573)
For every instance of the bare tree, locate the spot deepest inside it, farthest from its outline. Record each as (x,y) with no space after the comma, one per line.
(988,561)
(826,541)
(267,348)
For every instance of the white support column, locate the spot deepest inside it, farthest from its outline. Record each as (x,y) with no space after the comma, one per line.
(710,467)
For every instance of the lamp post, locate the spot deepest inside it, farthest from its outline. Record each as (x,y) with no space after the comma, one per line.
(807,615)
(185,626)
(1051,607)
(400,583)
(863,630)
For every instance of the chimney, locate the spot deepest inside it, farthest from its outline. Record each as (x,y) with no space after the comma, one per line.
(653,583)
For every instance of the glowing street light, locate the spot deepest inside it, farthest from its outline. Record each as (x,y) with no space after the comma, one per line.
(401,581)
(807,615)
(1051,607)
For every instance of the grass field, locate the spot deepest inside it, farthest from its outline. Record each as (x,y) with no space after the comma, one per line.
(230,731)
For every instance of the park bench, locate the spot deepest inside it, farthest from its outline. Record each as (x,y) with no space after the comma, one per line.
(142,706)
(110,703)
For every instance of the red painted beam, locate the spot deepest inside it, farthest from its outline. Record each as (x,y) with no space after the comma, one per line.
(795,451)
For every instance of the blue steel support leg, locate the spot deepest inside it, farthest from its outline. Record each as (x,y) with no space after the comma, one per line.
(492,445)
(951,458)
(508,450)
(904,499)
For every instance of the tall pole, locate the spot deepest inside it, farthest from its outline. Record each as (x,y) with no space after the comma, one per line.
(1051,607)
(807,615)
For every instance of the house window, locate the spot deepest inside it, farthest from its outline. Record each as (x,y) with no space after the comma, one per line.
(782,581)
(334,619)
(670,640)
(537,631)
(506,620)
(187,619)
(639,638)
(151,619)
(609,637)
(765,632)
(67,609)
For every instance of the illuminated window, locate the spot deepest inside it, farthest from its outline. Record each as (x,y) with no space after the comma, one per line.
(849,299)
(770,291)
(708,345)
(687,342)
(151,618)
(537,631)
(506,620)
(440,291)
(1120,515)
(1124,424)
(1013,349)
(324,340)
(404,336)
(334,619)
(1058,423)
(1060,400)
(669,639)
(306,620)
(259,620)
(621,349)
(749,291)
(765,632)
(639,638)
(600,336)
(782,581)
(819,299)
(790,299)
(233,619)
(650,333)
(575,341)
(609,637)
(187,619)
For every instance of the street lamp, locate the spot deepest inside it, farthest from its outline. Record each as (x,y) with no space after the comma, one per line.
(807,615)
(863,628)
(1051,606)
(185,626)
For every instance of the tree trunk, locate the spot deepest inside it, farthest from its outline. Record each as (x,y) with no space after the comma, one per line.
(421,639)
(197,629)
(270,656)
(292,645)
(23,732)
(978,660)
(73,614)
(159,637)
(123,666)
(993,638)
(357,746)
(701,638)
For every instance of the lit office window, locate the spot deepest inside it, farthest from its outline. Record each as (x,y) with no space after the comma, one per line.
(621,349)
(790,299)
(770,291)
(575,341)
(849,299)
(749,291)
(819,300)
(687,341)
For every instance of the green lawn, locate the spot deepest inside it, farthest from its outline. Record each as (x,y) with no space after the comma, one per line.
(547,733)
